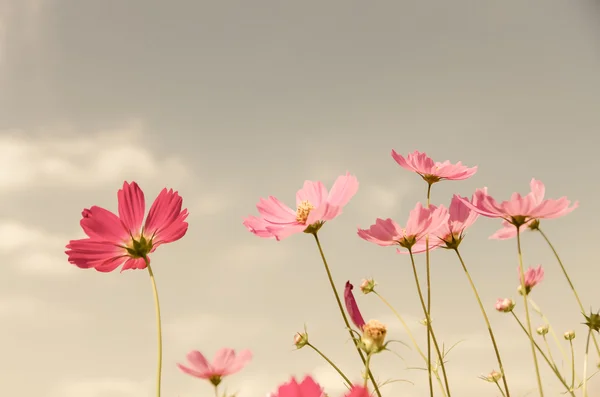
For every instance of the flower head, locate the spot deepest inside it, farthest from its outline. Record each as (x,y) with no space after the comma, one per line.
(509,230)
(431,171)
(352,307)
(225,363)
(300,340)
(520,210)
(309,388)
(569,335)
(543,330)
(114,240)
(421,222)
(505,305)
(367,286)
(314,206)
(493,377)
(533,276)
(374,333)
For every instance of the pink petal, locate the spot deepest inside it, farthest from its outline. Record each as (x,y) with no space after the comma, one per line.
(240,361)
(282,232)
(308,388)
(193,372)
(325,212)
(199,362)
(275,212)
(383,232)
(166,221)
(101,224)
(88,253)
(134,263)
(313,192)
(537,189)
(224,358)
(352,307)
(131,206)
(357,391)
(258,226)
(343,189)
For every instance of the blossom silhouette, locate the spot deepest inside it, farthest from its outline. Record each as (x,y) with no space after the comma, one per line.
(431,171)
(114,240)
(421,222)
(224,363)
(309,388)
(314,206)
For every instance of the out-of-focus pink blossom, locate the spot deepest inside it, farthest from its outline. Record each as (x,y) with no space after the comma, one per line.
(509,230)
(521,210)
(352,307)
(505,305)
(431,171)
(314,206)
(533,276)
(421,221)
(309,388)
(225,363)
(114,240)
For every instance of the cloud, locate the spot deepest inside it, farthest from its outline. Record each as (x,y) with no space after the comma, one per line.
(40,313)
(60,157)
(213,203)
(104,387)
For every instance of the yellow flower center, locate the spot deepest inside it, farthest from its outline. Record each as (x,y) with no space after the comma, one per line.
(303,210)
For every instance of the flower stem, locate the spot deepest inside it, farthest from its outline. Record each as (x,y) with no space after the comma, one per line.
(527,317)
(499,388)
(585,364)
(428,277)
(429,326)
(339,302)
(216,391)
(411,336)
(367,363)
(550,328)
(487,322)
(158,326)
(570,283)
(549,351)
(554,369)
(331,363)
(572,363)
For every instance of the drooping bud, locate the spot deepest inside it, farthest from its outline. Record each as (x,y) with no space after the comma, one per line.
(367,285)
(373,336)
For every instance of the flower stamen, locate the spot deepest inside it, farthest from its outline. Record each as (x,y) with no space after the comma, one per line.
(303,210)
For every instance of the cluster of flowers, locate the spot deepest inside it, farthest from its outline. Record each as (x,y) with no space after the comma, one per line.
(127,240)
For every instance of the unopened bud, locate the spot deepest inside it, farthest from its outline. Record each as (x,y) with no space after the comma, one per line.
(543,330)
(505,305)
(423,322)
(593,321)
(569,335)
(494,377)
(300,340)
(373,336)
(367,285)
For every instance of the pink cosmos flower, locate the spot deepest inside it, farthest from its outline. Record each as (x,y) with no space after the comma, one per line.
(520,210)
(533,276)
(309,388)
(314,206)
(421,222)
(225,363)
(352,307)
(114,240)
(433,172)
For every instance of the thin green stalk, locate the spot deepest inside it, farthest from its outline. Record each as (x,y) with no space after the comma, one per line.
(585,363)
(367,362)
(487,322)
(330,363)
(547,322)
(428,277)
(552,367)
(429,326)
(158,326)
(524,292)
(549,351)
(572,364)
(412,338)
(216,391)
(339,302)
(501,390)
(564,270)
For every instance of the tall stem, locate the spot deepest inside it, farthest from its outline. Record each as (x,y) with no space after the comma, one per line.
(487,321)
(339,302)
(429,326)
(524,292)
(428,277)
(158,326)
(339,371)
(562,267)
(585,363)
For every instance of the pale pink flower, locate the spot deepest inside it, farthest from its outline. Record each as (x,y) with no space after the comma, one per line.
(224,363)
(533,276)
(352,307)
(314,206)
(432,171)
(509,230)
(114,240)
(309,388)
(505,305)
(521,210)
(421,222)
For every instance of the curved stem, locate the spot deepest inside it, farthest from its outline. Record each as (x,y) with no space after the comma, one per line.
(585,363)
(331,363)
(339,302)
(158,326)
(487,322)
(527,317)
(562,267)
(428,277)
(552,367)
(429,326)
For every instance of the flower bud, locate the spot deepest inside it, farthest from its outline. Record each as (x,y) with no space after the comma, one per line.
(367,285)
(505,305)
(593,321)
(423,322)
(569,335)
(373,336)
(300,340)
(543,330)
(493,377)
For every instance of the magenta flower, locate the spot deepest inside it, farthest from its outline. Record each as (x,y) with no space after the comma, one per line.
(225,363)
(309,388)
(314,206)
(520,210)
(433,172)
(114,240)
(352,307)
(421,222)
(533,276)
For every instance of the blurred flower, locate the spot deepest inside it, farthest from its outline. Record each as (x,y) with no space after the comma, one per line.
(352,307)
(115,240)
(533,276)
(300,340)
(314,206)
(431,171)
(493,377)
(224,363)
(367,285)
(543,330)
(569,335)
(509,231)
(309,388)
(373,336)
(505,305)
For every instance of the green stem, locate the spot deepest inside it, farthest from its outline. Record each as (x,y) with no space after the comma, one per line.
(412,338)
(158,326)
(585,363)
(367,363)
(547,322)
(331,363)
(549,351)
(570,283)
(572,364)
(428,277)
(487,321)
(429,326)
(339,302)
(216,391)
(552,367)
(527,317)
(499,388)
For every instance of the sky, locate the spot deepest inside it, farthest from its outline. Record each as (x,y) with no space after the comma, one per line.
(230,101)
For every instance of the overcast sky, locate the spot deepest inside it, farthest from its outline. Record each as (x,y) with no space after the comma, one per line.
(230,101)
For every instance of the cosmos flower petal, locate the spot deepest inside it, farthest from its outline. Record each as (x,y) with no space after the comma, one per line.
(132,206)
